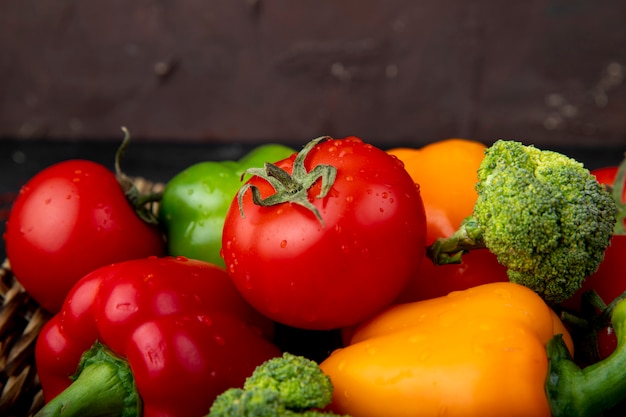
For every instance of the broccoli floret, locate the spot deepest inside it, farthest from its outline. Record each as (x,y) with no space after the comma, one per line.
(300,381)
(286,386)
(545,217)
(236,402)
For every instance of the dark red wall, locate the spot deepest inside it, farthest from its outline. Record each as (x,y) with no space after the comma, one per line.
(413,71)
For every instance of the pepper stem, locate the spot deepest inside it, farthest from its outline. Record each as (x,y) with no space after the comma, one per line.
(590,391)
(294,187)
(450,250)
(142,203)
(103,386)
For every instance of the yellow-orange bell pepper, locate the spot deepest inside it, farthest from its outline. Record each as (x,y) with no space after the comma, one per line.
(478,352)
(446,171)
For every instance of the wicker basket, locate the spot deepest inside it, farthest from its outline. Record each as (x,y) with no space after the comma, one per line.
(21,319)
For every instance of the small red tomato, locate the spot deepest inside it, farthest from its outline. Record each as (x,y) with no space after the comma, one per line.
(341,250)
(476,268)
(68,220)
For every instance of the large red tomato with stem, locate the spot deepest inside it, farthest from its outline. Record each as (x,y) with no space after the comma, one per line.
(69,219)
(327,237)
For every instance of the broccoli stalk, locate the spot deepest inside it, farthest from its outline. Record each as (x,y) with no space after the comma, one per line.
(286,386)
(544,216)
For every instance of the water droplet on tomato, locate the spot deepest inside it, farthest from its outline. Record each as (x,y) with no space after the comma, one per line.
(125,307)
(382,210)
(47,200)
(219,339)
(349,178)
(385,195)
(349,198)
(247,282)
(283,244)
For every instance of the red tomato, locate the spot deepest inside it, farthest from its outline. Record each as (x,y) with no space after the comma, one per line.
(306,274)
(476,268)
(68,220)
(609,281)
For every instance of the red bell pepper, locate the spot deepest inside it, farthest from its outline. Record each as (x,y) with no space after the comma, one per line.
(177,326)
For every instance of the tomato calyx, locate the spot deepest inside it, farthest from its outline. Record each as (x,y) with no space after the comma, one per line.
(291,188)
(141,203)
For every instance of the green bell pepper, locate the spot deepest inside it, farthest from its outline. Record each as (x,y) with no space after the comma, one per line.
(195,201)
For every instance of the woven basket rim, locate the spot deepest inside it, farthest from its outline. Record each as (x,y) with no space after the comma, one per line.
(21,319)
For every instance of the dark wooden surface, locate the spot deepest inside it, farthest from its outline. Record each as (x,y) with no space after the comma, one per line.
(391,71)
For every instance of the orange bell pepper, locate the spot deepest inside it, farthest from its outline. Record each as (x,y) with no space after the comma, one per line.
(478,352)
(446,172)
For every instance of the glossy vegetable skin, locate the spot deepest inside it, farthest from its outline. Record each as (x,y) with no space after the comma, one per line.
(195,202)
(344,250)
(431,281)
(446,172)
(68,220)
(180,324)
(478,352)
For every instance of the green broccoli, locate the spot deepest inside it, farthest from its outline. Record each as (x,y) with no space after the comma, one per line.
(286,386)
(545,217)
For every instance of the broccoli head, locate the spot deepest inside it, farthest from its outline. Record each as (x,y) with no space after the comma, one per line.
(545,217)
(286,386)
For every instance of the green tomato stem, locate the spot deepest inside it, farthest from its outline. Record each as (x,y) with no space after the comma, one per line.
(294,187)
(590,391)
(104,386)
